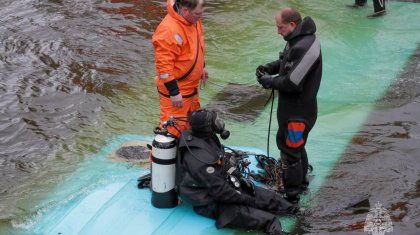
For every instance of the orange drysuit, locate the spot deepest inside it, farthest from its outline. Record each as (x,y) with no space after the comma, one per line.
(179,47)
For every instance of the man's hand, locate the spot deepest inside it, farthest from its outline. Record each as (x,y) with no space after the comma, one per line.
(260,71)
(177,100)
(266,81)
(204,76)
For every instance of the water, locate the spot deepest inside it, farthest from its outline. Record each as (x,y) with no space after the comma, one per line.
(74,74)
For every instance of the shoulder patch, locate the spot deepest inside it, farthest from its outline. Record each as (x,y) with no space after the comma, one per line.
(178,39)
(210,170)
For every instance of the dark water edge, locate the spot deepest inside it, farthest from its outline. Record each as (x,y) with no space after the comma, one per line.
(382,160)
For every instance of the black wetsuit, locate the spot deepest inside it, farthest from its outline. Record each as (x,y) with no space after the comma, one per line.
(299,70)
(202,182)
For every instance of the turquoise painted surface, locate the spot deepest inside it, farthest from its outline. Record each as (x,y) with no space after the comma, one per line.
(108,202)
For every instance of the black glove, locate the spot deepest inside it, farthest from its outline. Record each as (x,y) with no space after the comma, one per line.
(247,185)
(260,71)
(266,81)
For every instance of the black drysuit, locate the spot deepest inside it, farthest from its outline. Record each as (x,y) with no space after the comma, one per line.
(299,70)
(202,181)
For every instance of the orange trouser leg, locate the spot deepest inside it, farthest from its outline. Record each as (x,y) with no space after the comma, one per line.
(166,110)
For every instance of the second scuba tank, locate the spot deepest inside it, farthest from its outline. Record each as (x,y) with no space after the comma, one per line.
(164,150)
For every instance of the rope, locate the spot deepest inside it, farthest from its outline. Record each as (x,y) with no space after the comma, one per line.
(272,172)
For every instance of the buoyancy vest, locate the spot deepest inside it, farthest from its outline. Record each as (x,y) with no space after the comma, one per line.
(207,153)
(202,175)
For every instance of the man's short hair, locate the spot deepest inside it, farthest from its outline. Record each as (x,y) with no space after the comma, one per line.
(190,4)
(291,15)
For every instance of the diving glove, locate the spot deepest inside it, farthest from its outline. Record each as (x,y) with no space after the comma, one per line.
(260,71)
(266,81)
(247,185)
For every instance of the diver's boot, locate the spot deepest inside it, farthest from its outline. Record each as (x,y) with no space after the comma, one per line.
(275,228)
(292,176)
(292,196)
(304,187)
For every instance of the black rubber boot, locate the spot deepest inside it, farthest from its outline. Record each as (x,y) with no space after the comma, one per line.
(275,228)
(292,196)
(292,175)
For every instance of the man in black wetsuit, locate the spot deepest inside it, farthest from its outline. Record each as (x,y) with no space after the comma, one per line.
(296,75)
(208,180)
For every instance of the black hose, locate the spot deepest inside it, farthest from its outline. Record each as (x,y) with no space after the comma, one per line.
(269,123)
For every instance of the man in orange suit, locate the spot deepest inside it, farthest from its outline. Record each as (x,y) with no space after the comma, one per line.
(179,56)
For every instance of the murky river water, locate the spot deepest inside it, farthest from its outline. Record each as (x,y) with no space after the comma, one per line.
(75,73)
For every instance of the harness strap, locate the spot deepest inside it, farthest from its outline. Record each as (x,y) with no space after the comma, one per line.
(196,57)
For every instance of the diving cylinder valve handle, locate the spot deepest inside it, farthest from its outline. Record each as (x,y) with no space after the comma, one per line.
(164,150)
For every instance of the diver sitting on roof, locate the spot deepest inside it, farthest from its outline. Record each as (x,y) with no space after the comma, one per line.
(216,189)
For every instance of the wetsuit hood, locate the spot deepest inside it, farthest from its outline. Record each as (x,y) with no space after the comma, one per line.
(305,27)
(172,6)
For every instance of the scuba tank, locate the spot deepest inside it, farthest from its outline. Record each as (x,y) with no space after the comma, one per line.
(164,157)
(164,151)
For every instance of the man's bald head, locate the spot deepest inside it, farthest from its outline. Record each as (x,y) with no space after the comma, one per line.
(288,15)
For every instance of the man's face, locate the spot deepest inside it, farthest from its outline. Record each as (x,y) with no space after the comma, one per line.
(284,28)
(195,14)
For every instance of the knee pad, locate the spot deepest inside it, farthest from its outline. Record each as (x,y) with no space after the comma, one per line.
(296,133)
